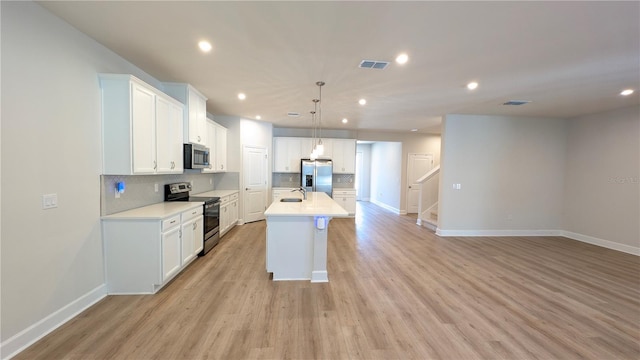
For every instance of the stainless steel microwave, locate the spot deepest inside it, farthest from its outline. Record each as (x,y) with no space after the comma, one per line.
(196,156)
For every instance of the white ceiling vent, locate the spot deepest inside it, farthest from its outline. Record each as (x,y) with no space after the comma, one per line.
(293,114)
(373,64)
(517,102)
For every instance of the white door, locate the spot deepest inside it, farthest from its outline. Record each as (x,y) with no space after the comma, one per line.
(417,166)
(254,160)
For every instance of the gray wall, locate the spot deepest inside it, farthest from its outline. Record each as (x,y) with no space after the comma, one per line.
(386,174)
(365,191)
(602,182)
(511,171)
(50,142)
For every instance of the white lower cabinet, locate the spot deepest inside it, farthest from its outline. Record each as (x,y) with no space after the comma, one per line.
(347,199)
(192,234)
(171,252)
(228,212)
(144,254)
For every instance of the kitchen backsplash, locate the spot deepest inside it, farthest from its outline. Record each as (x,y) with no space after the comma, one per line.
(340,181)
(140,189)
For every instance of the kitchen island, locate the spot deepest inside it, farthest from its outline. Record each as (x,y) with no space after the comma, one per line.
(297,237)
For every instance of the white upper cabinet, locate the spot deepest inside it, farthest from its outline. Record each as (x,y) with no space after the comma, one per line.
(344,156)
(195,111)
(211,144)
(287,154)
(141,128)
(220,164)
(328,149)
(217,144)
(168,136)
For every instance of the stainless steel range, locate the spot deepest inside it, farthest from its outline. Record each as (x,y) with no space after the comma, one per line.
(180,192)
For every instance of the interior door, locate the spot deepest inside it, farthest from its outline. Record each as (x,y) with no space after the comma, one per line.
(417,166)
(254,160)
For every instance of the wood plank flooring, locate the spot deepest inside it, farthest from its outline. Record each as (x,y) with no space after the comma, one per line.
(396,291)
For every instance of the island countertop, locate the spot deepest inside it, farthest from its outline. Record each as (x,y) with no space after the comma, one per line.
(317,204)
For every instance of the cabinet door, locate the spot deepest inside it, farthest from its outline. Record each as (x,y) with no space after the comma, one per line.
(234,213)
(168,136)
(170,253)
(211,144)
(221,149)
(224,218)
(198,235)
(197,118)
(280,157)
(143,118)
(188,235)
(344,156)
(328,152)
(287,154)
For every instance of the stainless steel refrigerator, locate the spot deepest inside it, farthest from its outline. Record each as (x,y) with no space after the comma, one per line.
(317,175)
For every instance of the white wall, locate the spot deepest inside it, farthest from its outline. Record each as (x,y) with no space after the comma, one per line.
(365,191)
(602,183)
(51,258)
(386,174)
(411,143)
(511,171)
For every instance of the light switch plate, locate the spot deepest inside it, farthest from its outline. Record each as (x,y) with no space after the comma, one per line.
(49,201)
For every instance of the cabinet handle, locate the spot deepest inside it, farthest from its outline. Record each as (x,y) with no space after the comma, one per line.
(195,225)
(221,167)
(172,221)
(198,137)
(155,165)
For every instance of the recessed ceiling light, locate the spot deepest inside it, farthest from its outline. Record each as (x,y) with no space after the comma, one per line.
(472,85)
(205,46)
(362,101)
(402,59)
(414,130)
(344,121)
(258,117)
(626,92)
(242,96)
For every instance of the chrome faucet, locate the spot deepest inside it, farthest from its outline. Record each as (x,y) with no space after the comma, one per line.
(303,191)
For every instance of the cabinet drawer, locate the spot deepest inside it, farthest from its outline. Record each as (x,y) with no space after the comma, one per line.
(233,196)
(170,222)
(224,200)
(344,192)
(190,214)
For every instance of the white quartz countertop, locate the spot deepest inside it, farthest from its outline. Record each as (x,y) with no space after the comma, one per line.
(317,203)
(156,211)
(217,193)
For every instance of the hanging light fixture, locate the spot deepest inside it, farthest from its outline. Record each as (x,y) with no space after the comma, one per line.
(314,152)
(320,146)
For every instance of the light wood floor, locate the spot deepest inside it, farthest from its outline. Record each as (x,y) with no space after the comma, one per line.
(396,291)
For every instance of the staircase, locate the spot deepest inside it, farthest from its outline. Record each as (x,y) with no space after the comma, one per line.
(428,203)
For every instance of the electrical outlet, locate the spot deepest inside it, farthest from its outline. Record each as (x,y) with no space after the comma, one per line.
(156,187)
(338,179)
(210,181)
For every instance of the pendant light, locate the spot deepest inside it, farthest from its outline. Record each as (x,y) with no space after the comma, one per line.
(320,146)
(314,152)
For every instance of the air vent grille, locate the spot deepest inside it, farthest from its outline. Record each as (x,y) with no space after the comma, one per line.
(293,114)
(373,64)
(516,102)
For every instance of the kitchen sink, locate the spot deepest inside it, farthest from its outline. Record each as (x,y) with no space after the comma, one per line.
(290,200)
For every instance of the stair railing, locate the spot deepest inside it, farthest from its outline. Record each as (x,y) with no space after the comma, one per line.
(428,201)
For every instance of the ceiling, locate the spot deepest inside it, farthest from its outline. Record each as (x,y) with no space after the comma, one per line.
(567,58)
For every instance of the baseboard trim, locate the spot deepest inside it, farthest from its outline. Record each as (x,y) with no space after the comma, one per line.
(37,331)
(602,243)
(385,206)
(568,234)
(476,233)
